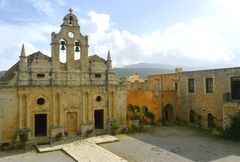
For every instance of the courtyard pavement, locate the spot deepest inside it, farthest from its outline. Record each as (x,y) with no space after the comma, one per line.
(175,144)
(156,144)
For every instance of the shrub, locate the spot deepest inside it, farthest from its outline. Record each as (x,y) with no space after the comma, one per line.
(88,132)
(130,108)
(114,127)
(59,135)
(149,115)
(134,116)
(23,134)
(135,112)
(233,130)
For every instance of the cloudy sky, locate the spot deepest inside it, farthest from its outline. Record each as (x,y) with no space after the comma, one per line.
(176,32)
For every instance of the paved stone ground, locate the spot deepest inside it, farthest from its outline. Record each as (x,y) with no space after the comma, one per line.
(92,140)
(33,156)
(85,150)
(174,144)
(92,153)
(167,144)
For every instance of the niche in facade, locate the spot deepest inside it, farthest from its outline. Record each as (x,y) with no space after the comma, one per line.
(97,75)
(40,75)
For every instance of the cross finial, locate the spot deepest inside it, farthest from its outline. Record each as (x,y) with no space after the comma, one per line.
(70,11)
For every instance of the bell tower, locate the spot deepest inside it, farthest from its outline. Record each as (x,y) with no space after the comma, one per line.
(72,42)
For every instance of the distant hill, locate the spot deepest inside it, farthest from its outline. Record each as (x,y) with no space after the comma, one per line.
(144,69)
(142,72)
(151,65)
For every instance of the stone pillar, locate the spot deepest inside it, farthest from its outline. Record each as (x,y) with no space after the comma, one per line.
(113,105)
(84,112)
(109,106)
(70,56)
(84,57)
(54,109)
(60,110)
(20,110)
(87,106)
(55,55)
(27,111)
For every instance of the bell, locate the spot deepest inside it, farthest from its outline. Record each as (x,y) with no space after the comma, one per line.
(62,45)
(77,49)
(70,20)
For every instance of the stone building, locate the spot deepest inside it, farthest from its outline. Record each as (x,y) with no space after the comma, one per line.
(49,96)
(159,93)
(209,97)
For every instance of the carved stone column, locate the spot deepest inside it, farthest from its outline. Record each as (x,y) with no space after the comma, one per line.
(87,106)
(27,110)
(60,114)
(20,110)
(54,109)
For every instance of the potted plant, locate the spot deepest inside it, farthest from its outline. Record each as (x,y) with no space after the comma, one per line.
(23,136)
(114,127)
(135,119)
(150,116)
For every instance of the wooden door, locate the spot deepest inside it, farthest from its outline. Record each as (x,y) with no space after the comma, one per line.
(71,122)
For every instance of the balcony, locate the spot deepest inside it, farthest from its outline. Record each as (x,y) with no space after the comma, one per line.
(229,97)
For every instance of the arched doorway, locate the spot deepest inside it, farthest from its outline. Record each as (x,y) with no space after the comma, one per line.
(192,116)
(210,120)
(168,114)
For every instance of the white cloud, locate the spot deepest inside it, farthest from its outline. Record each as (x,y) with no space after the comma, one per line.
(208,38)
(213,38)
(12,37)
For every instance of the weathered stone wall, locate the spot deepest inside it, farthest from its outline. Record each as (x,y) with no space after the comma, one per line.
(204,103)
(19,105)
(8,113)
(146,94)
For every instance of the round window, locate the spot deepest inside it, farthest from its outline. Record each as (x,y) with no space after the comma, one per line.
(40,101)
(98,98)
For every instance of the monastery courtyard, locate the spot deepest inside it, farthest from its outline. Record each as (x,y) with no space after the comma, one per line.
(167,144)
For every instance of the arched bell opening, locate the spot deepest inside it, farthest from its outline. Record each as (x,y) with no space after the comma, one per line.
(62,51)
(77,50)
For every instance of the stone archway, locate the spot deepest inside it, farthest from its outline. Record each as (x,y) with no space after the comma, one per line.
(191,116)
(168,114)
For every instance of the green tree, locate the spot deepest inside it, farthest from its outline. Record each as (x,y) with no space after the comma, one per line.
(233,130)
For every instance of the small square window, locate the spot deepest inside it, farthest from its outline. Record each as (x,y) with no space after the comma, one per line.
(209,85)
(97,75)
(191,88)
(176,86)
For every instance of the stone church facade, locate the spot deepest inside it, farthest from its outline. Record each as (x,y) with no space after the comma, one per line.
(49,96)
